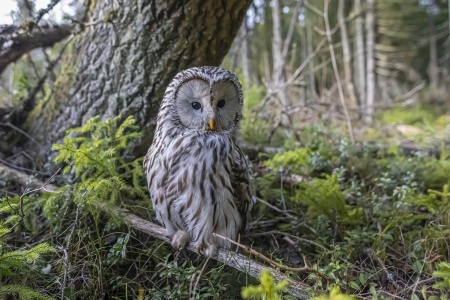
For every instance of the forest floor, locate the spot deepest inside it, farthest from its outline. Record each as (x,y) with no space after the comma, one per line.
(370,217)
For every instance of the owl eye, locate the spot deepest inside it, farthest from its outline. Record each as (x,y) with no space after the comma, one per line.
(221,103)
(196,105)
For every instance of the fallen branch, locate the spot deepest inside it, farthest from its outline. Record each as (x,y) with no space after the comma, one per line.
(230,258)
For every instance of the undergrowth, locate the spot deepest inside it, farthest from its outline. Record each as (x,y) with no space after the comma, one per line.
(373,220)
(90,253)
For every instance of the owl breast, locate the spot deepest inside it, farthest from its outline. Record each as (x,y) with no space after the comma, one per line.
(192,187)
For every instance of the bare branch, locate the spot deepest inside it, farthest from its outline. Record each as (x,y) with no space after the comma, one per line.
(20,43)
(290,34)
(44,11)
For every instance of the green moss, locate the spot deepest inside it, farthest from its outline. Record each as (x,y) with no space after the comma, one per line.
(417,116)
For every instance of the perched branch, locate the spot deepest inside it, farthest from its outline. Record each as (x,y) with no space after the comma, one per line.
(235,260)
(14,42)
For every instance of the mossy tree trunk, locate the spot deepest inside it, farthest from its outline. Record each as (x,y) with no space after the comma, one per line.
(123,61)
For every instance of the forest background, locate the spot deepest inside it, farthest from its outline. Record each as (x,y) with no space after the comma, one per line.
(346,121)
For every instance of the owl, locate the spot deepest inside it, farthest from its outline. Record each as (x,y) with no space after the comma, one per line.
(199,179)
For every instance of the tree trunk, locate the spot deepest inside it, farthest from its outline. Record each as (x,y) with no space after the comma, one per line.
(447,74)
(279,75)
(347,58)
(370,69)
(360,53)
(433,66)
(122,63)
(311,66)
(246,67)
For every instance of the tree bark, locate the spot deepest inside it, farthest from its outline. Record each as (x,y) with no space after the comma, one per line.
(123,62)
(311,65)
(360,53)
(279,75)
(370,67)
(347,58)
(246,67)
(433,74)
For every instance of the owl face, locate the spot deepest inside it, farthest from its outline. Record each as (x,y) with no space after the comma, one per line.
(208,102)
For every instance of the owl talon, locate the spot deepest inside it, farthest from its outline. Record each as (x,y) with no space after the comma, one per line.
(206,249)
(210,250)
(179,240)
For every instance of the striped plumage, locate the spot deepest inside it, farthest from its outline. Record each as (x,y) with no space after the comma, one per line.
(198,177)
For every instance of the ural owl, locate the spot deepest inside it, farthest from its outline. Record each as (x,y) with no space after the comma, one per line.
(198,177)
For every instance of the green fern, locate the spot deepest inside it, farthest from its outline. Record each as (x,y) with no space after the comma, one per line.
(17,262)
(23,293)
(13,207)
(95,153)
(324,197)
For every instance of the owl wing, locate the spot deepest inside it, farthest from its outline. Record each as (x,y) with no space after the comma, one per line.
(242,183)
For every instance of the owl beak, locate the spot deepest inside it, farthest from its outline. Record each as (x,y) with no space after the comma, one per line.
(212,124)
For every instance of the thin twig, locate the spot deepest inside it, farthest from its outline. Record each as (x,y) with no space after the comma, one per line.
(12,166)
(275,208)
(261,256)
(198,279)
(44,11)
(290,236)
(66,263)
(22,213)
(21,132)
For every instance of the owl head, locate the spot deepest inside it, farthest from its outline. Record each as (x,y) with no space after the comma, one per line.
(203,98)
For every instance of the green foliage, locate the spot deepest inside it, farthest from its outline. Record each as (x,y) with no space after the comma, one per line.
(255,128)
(439,170)
(323,197)
(268,290)
(177,282)
(252,129)
(24,293)
(19,262)
(93,149)
(365,217)
(335,294)
(408,116)
(12,208)
(96,153)
(442,272)
(299,160)
(365,209)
